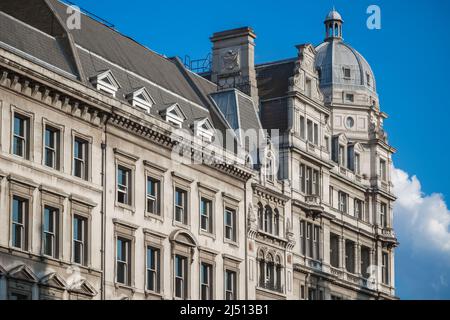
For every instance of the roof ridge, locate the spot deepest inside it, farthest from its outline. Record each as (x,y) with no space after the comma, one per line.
(276,62)
(120,33)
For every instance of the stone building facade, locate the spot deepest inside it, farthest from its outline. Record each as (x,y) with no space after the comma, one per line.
(125,175)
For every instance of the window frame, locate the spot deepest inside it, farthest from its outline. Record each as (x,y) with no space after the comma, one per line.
(58,149)
(343,205)
(234,283)
(156,270)
(359,209)
(210,280)
(124,189)
(28,136)
(184,278)
(24,225)
(347,73)
(56,247)
(383,170)
(127,262)
(85,241)
(156,173)
(87,149)
(384,215)
(156,198)
(357,163)
(233,226)
(385,269)
(209,215)
(183,207)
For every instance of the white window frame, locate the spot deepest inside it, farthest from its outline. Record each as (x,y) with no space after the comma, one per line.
(134,99)
(231,227)
(22,225)
(125,189)
(154,198)
(25,139)
(208,216)
(343,202)
(84,161)
(125,263)
(53,234)
(83,242)
(156,270)
(182,279)
(101,85)
(230,293)
(182,208)
(209,283)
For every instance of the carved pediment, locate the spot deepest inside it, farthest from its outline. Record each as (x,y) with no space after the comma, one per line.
(83,287)
(53,280)
(23,273)
(2,271)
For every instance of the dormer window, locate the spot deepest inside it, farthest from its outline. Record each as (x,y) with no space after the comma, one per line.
(141,98)
(204,129)
(106,82)
(347,73)
(174,115)
(368,79)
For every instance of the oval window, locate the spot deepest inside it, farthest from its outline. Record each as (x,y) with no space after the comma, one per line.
(350,122)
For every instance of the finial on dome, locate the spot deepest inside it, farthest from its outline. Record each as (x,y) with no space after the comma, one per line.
(333,24)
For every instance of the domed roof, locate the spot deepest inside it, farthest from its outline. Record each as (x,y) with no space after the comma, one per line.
(335,58)
(341,67)
(333,15)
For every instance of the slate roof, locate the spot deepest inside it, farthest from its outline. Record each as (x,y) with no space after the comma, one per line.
(99,48)
(35,43)
(273,78)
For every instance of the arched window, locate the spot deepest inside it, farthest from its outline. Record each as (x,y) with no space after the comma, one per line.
(336,30)
(260,216)
(262,269)
(276,223)
(279,268)
(270,272)
(268,219)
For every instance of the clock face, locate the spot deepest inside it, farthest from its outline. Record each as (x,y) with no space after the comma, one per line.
(350,122)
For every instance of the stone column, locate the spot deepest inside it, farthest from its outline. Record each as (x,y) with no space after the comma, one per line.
(392,268)
(357,259)
(342,252)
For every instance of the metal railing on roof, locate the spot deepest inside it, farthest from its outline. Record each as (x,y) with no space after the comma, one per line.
(90,14)
(198,65)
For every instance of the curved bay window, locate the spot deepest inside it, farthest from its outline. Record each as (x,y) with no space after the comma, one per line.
(270,272)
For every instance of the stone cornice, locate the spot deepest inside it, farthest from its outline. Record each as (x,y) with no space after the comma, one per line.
(269,194)
(78,100)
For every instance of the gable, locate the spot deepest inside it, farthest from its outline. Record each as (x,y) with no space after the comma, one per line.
(141,98)
(174,114)
(23,273)
(106,82)
(83,287)
(54,280)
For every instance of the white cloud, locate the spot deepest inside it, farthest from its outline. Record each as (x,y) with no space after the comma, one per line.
(422,221)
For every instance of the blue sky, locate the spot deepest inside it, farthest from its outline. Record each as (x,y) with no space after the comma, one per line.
(409,57)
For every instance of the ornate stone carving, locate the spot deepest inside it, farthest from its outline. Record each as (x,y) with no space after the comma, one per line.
(252,222)
(230,61)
